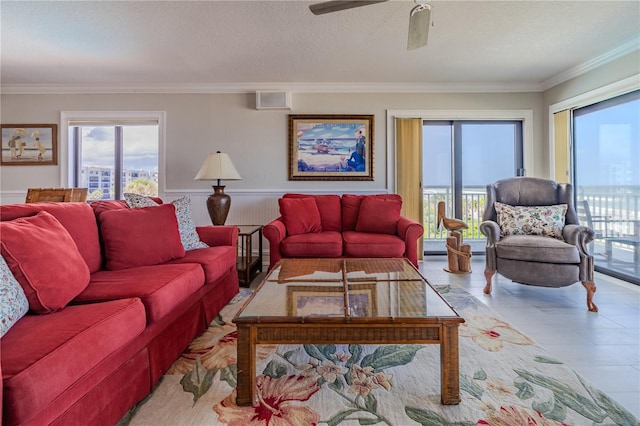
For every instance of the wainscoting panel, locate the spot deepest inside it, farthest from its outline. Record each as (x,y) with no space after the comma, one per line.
(246,208)
(255,208)
(13,197)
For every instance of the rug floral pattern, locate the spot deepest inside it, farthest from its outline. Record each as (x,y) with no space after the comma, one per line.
(505,380)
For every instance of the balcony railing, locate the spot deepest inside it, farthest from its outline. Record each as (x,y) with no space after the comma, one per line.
(473,200)
(616,208)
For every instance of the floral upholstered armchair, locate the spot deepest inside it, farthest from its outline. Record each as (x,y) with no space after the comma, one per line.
(533,235)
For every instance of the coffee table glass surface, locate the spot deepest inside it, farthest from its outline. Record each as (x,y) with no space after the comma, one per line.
(375,288)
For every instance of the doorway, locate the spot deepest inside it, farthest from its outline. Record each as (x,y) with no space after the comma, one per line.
(459,159)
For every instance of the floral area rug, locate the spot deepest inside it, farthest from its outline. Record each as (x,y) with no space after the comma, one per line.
(505,379)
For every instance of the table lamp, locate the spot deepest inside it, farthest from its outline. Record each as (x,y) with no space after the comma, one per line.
(218,166)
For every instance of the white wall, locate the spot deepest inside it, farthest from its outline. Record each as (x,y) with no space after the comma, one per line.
(607,81)
(619,69)
(256,140)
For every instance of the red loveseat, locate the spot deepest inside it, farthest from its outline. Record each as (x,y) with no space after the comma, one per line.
(87,353)
(342,226)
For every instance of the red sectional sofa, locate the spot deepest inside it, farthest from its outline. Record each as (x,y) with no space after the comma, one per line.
(342,226)
(89,359)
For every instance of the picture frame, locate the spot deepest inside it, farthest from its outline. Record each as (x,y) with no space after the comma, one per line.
(331,147)
(329,300)
(29,145)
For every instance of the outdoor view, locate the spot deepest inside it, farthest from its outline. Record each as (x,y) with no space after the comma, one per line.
(104,175)
(484,152)
(607,179)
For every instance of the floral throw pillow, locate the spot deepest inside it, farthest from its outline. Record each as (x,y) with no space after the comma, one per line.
(186,225)
(531,220)
(13,302)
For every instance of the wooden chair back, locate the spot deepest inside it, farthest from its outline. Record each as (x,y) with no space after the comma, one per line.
(56,194)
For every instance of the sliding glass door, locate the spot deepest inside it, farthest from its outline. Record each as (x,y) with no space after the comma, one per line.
(459,159)
(606,148)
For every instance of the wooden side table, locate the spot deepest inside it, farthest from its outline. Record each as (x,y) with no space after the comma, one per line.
(248,265)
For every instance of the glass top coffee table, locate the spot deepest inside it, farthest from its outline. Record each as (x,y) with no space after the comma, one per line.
(343,301)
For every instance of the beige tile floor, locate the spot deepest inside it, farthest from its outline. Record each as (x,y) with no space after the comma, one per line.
(604,347)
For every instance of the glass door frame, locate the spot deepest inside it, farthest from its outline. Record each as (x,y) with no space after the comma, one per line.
(630,219)
(457,157)
(457,183)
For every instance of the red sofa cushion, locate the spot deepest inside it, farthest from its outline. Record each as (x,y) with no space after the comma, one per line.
(101,206)
(329,208)
(364,244)
(140,237)
(300,215)
(160,287)
(379,215)
(321,244)
(43,355)
(215,261)
(44,259)
(351,208)
(76,218)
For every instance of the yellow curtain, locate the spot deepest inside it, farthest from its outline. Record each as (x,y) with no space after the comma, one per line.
(409,169)
(561,137)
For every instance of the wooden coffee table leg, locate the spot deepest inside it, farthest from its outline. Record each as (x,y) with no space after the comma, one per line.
(246,348)
(449,365)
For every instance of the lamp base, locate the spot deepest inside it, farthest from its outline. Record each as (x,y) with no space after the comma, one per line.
(218,205)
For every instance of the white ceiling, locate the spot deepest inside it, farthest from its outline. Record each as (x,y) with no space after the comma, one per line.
(268,44)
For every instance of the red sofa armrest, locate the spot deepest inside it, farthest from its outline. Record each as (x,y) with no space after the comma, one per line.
(274,232)
(410,231)
(218,235)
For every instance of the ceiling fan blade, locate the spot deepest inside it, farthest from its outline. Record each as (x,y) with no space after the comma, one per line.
(337,5)
(419,23)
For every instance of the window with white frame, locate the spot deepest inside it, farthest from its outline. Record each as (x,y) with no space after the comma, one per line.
(111,154)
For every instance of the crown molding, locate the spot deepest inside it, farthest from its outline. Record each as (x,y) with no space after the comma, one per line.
(59,89)
(620,51)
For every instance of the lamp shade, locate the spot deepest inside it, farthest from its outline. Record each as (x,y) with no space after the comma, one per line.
(218,166)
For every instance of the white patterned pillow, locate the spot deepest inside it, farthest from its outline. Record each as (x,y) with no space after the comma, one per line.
(186,225)
(531,220)
(13,302)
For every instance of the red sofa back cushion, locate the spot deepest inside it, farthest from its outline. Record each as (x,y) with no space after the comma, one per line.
(300,215)
(77,218)
(100,206)
(106,205)
(44,259)
(140,237)
(329,208)
(379,215)
(351,208)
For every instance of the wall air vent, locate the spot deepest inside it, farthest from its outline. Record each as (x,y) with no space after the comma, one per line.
(273,100)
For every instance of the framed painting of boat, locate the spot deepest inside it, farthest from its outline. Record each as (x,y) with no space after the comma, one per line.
(29,145)
(331,147)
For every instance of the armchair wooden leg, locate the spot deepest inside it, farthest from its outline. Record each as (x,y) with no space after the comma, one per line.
(488,274)
(591,290)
